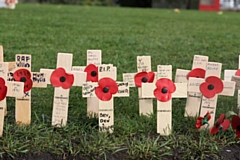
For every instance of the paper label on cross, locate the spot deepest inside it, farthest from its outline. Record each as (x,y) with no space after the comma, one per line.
(129,77)
(164,108)
(94,57)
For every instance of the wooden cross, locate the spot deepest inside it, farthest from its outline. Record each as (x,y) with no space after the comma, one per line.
(230,75)
(106,109)
(11,89)
(11,4)
(194,98)
(93,57)
(61,93)
(143,65)
(209,104)
(164,106)
(20,68)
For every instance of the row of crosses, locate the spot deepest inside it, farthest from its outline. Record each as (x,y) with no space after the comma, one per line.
(201,86)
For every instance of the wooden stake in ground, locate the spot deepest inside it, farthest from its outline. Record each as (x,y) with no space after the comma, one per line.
(22,73)
(62,78)
(182,76)
(234,75)
(143,75)
(10,89)
(164,90)
(94,59)
(105,89)
(211,88)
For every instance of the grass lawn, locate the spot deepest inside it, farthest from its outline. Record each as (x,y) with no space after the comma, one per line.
(122,34)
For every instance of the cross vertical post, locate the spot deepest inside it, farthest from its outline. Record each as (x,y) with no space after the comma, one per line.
(164,90)
(209,104)
(62,79)
(10,89)
(143,65)
(194,98)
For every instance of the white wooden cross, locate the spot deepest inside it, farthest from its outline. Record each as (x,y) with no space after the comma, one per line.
(164,103)
(230,75)
(93,57)
(106,109)
(143,65)
(61,92)
(11,4)
(10,89)
(21,69)
(209,104)
(194,98)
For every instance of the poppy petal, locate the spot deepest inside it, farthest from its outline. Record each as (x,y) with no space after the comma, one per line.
(151,76)
(92,73)
(221,118)
(214,130)
(101,95)
(56,75)
(166,83)
(163,97)
(196,73)
(20,73)
(238,134)
(235,121)
(237,73)
(225,124)
(28,85)
(69,81)
(208,115)
(205,91)
(199,122)
(110,84)
(138,78)
(217,82)
(3,89)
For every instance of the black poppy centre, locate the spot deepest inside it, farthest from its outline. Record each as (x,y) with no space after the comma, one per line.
(93,73)
(105,89)
(23,79)
(62,79)
(217,124)
(238,128)
(144,79)
(164,90)
(210,86)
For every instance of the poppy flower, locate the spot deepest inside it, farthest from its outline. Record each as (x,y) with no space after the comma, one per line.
(197,73)
(203,120)
(143,77)
(106,88)
(59,78)
(92,73)
(236,125)
(164,90)
(23,75)
(222,124)
(237,72)
(212,86)
(3,89)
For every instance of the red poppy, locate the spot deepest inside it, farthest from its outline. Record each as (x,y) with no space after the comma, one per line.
(92,73)
(222,124)
(23,75)
(197,73)
(59,78)
(203,120)
(106,88)
(164,90)
(143,77)
(211,87)
(236,125)
(237,73)
(3,89)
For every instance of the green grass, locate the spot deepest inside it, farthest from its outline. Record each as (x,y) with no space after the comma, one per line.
(122,34)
